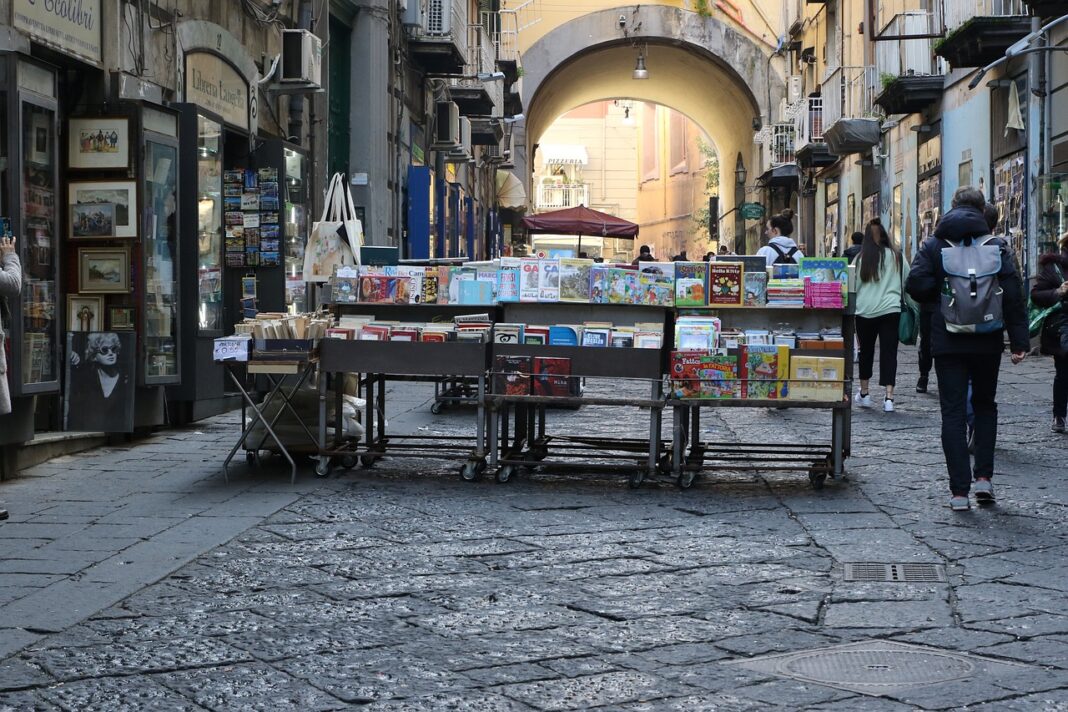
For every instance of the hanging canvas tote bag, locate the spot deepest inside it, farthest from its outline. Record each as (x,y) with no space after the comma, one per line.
(336,238)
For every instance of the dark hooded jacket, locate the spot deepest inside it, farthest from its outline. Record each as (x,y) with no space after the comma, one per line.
(1052,272)
(927,276)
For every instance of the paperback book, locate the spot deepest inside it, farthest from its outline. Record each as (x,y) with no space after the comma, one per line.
(657,283)
(691,280)
(548,280)
(724,284)
(575,280)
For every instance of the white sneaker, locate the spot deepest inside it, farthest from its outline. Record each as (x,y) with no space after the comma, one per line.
(888,406)
(864,401)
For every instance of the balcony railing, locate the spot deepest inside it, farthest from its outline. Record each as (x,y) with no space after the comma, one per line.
(552,196)
(848,93)
(901,19)
(808,123)
(960,11)
(909,57)
(507,36)
(781,145)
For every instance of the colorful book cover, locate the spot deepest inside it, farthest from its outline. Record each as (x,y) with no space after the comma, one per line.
(552,377)
(624,286)
(755,285)
(764,369)
(575,280)
(657,282)
(529,285)
(804,378)
(511,375)
(549,280)
(824,269)
(508,279)
(430,286)
(377,289)
(412,281)
(444,275)
(750,263)
(685,377)
(724,283)
(691,284)
(457,276)
(719,376)
(600,278)
(562,335)
(785,271)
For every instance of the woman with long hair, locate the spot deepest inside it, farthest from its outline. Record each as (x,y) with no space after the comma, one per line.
(881,275)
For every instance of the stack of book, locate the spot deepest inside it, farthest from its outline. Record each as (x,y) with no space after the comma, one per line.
(823,295)
(469,328)
(786,292)
(596,334)
(697,333)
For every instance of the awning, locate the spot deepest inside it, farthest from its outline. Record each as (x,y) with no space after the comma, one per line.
(785,175)
(510,191)
(580,221)
(568,154)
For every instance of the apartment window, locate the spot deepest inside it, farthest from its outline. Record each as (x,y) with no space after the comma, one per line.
(677,138)
(650,143)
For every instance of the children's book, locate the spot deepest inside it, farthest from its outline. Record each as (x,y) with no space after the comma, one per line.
(764,369)
(575,279)
(549,280)
(685,376)
(623,286)
(787,271)
(719,376)
(508,279)
(724,283)
(691,284)
(755,285)
(529,286)
(599,283)
(824,269)
(749,263)
(657,282)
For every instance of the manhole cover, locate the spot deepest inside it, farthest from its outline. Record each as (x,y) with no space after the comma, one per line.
(878,667)
(895,573)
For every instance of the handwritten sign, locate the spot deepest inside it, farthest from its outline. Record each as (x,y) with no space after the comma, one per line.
(72,26)
(231,348)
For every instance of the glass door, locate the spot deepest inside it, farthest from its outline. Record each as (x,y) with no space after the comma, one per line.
(209,226)
(40,349)
(296,226)
(160,252)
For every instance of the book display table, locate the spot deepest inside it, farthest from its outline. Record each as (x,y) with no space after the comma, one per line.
(691,454)
(519,435)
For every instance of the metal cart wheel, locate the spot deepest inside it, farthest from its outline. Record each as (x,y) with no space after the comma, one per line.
(472,470)
(636,479)
(686,479)
(505,473)
(663,465)
(817,479)
(436,407)
(252,457)
(322,468)
(368,460)
(348,462)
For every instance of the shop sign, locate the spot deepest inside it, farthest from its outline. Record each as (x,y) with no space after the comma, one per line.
(72,26)
(752,211)
(210,82)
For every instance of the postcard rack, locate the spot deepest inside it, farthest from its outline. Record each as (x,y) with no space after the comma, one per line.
(519,436)
(691,454)
(377,362)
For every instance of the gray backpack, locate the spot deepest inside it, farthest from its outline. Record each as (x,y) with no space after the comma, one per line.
(971,293)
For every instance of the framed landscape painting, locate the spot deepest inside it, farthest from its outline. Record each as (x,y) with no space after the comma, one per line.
(122,194)
(103,270)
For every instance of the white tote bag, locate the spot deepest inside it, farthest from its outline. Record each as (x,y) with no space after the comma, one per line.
(336,238)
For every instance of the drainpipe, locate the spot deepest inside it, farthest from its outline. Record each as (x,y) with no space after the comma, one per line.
(296,101)
(1035,143)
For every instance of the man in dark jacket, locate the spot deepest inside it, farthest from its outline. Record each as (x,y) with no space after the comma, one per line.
(854,249)
(1051,287)
(960,358)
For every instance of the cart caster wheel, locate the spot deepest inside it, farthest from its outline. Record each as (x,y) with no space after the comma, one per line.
(636,480)
(817,479)
(471,471)
(505,473)
(322,468)
(251,457)
(348,462)
(368,460)
(686,479)
(436,408)
(663,465)
(538,453)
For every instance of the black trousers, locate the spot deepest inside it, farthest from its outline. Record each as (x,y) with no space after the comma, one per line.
(884,329)
(954,372)
(925,342)
(1060,386)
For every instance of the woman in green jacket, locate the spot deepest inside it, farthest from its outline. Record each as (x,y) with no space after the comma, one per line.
(881,274)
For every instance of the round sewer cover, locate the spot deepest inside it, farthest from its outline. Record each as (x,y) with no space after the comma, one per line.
(876,668)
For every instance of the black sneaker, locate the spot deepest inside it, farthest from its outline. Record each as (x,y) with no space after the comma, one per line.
(921,384)
(1058,425)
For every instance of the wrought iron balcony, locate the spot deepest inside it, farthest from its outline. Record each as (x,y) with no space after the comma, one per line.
(810,148)
(851,123)
(552,196)
(478,93)
(979,31)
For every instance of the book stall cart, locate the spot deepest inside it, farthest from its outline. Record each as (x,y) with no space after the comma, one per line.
(283,349)
(774,343)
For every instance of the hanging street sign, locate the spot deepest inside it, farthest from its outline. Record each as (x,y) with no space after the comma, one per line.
(752,211)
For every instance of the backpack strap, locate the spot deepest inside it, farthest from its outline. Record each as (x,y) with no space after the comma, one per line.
(775,247)
(792,252)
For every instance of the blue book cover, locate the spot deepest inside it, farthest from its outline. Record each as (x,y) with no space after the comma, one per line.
(563,336)
(476,291)
(824,269)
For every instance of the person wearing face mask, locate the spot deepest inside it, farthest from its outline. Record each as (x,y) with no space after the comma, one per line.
(10,286)
(100,387)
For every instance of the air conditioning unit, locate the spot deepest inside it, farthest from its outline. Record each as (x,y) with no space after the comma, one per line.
(447,130)
(413,13)
(302,58)
(438,18)
(793,89)
(462,152)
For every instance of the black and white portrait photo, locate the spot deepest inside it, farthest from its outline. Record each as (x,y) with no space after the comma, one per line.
(100,381)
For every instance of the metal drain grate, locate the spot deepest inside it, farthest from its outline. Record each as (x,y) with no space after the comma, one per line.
(896,573)
(880,667)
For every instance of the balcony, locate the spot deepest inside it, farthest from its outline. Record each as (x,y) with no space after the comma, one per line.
(439,42)
(486,131)
(978,34)
(810,148)
(851,124)
(781,145)
(474,96)
(1047,8)
(553,196)
(912,77)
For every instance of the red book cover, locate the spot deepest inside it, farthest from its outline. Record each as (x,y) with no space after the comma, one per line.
(686,374)
(724,283)
(437,336)
(511,375)
(552,377)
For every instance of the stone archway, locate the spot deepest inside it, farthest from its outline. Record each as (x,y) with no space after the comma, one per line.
(702,67)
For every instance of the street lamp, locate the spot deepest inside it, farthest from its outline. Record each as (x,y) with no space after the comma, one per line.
(740,173)
(640,72)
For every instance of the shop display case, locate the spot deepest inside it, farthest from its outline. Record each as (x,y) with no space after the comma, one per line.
(28,200)
(159,249)
(209,176)
(284,290)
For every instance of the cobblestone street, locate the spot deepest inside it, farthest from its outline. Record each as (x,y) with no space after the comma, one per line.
(135,578)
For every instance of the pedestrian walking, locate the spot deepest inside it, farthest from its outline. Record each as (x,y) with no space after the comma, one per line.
(971,278)
(1051,289)
(853,250)
(781,248)
(10,286)
(878,311)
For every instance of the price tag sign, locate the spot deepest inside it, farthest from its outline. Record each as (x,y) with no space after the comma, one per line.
(231,348)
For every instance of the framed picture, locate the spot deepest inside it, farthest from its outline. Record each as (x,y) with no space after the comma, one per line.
(99,142)
(85,313)
(103,270)
(92,220)
(40,140)
(100,381)
(121,318)
(122,194)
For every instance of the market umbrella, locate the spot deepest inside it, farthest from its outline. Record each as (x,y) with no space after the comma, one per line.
(510,190)
(580,221)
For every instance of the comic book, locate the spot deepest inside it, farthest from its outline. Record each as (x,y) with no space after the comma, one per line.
(575,280)
(657,282)
(691,284)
